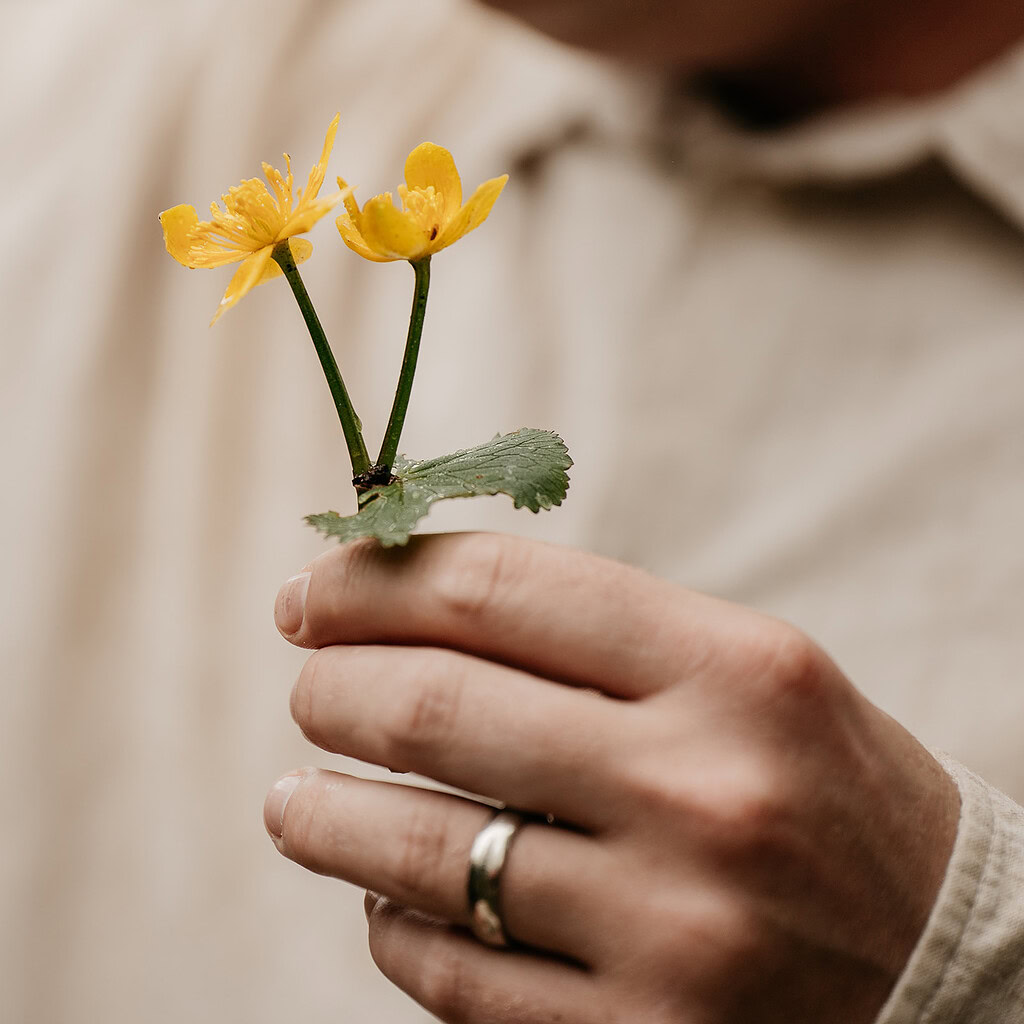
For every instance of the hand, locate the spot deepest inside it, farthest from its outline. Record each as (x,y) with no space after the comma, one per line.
(741,837)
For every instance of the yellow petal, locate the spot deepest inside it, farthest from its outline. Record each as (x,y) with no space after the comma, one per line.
(391,232)
(301,251)
(473,214)
(429,165)
(252,272)
(352,237)
(348,193)
(305,216)
(316,175)
(177,223)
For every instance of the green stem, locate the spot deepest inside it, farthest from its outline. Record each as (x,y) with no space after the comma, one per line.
(389,449)
(350,424)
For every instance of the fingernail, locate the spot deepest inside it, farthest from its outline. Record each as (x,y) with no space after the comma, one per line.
(291,604)
(277,800)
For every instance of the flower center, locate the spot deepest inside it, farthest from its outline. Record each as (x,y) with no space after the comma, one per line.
(426,206)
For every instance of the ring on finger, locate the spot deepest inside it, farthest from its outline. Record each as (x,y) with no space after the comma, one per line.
(487,859)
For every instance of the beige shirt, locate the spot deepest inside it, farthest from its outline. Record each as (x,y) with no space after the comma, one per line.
(812,343)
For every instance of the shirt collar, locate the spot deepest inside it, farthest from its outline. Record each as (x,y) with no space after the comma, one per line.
(975,128)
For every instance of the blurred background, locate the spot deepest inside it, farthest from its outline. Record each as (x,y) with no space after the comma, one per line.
(821,447)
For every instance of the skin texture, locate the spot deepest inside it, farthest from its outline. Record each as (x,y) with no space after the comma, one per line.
(789,58)
(740,837)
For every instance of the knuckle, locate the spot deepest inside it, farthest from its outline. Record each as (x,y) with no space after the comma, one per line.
(651,790)
(787,663)
(726,933)
(429,718)
(718,931)
(655,781)
(750,826)
(739,803)
(663,799)
(749,812)
(471,585)
(421,856)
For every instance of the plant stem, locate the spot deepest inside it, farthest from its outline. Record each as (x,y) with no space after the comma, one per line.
(350,424)
(389,449)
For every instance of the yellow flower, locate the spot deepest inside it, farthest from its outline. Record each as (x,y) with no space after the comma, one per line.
(432,214)
(253,221)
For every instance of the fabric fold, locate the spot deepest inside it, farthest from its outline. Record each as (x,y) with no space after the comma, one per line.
(968,965)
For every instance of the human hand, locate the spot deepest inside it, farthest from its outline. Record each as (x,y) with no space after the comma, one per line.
(740,837)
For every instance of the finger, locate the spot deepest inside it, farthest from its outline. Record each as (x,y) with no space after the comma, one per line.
(458,980)
(470,723)
(413,845)
(564,614)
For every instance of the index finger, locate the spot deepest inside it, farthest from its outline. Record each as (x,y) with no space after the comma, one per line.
(558,612)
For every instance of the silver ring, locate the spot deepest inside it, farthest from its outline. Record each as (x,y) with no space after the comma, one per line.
(486,860)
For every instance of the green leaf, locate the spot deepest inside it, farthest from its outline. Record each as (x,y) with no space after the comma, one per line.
(528,465)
